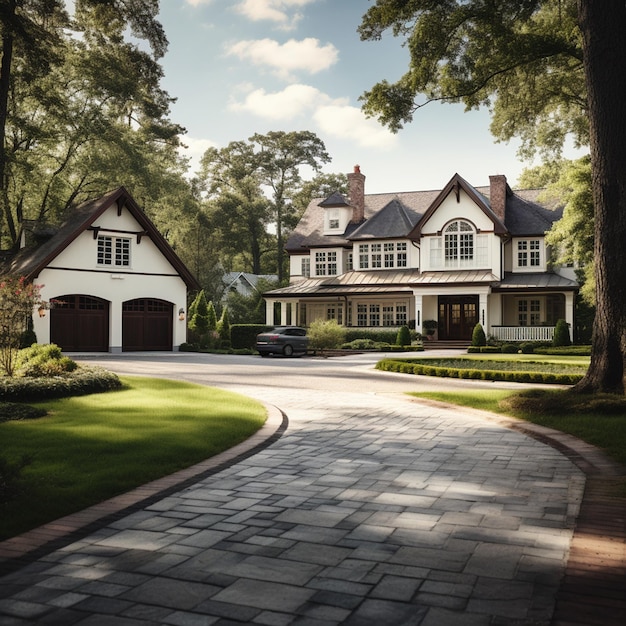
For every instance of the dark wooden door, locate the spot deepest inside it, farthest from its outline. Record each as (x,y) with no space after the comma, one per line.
(80,323)
(457,317)
(147,325)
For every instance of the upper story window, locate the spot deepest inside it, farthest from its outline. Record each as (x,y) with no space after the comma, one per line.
(326,263)
(459,244)
(529,253)
(383,255)
(114,251)
(459,247)
(306,266)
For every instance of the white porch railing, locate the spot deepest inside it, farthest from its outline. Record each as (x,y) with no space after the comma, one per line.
(522,333)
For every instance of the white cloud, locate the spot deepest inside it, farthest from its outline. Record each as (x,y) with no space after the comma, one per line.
(304,55)
(283,12)
(197,3)
(348,122)
(334,116)
(195,149)
(287,104)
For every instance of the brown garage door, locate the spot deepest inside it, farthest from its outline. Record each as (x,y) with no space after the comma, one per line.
(147,325)
(80,323)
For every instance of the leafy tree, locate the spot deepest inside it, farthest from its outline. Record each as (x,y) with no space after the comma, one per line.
(281,155)
(320,186)
(199,323)
(18,300)
(223,327)
(211,316)
(547,69)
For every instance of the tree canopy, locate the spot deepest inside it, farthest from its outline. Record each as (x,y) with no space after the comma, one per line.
(547,69)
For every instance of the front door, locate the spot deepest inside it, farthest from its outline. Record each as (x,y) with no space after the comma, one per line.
(457,317)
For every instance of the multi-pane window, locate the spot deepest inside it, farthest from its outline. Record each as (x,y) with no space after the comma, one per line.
(306,266)
(364,257)
(388,315)
(401,314)
(383,255)
(376,259)
(113,251)
(529,253)
(374,315)
(326,263)
(361,314)
(382,314)
(459,244)
(529,312)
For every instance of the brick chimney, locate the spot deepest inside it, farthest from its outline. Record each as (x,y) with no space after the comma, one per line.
(356,191)
(497,195)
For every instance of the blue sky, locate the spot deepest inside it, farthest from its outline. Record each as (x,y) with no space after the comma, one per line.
(237,67)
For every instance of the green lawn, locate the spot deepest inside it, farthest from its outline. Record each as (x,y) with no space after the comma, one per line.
(90,448)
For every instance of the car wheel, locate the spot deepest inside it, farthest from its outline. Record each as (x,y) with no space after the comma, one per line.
(288,350)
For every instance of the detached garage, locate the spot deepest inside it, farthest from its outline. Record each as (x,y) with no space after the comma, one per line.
(113,282)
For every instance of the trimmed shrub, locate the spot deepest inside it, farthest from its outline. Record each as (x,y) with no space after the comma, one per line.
(326,335)
(478,336)
(43,361)
(509,348)
(527,347)
(403,337)
(561,334)
(243,336)
(82,381)
(381,336)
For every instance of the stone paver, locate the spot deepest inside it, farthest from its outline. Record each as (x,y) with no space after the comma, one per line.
(368,510)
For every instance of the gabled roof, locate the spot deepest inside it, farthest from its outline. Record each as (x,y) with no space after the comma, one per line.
(393,220)
(230,278)
(31,261)
(526,215)
(455,185)
(335,199)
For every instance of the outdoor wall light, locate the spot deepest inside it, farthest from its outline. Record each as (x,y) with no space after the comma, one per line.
(181,314)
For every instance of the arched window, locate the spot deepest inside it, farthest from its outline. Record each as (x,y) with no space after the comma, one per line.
(459,244)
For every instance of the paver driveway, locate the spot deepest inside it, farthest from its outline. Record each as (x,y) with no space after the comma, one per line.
(368,510)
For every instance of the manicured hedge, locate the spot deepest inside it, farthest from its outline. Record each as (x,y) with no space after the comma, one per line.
(244,335)
(406,367)
(82,381)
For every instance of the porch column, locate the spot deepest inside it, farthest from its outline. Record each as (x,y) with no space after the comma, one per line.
(569,313)
(283,313)
(419,316)
(269,312)
(483,312)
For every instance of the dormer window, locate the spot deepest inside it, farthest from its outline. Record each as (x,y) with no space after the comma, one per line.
(333,224)
(529,255)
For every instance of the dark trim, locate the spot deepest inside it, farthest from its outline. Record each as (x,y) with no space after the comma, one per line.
(110,271)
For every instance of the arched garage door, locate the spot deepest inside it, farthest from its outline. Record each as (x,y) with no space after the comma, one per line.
(80,323)
(147,325)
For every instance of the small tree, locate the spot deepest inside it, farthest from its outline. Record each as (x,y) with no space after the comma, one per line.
(199,321)
(561,334)
(478,336)
(223,328)
(404,336)
(211,316)
(18,299)
(326,335)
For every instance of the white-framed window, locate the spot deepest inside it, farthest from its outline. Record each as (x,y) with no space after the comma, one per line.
(529,253)
(459,244)
(459,247)
(326,263)
(113,251)
(305,266)
(364,257)
(385,255)
(382,314)
(529,312)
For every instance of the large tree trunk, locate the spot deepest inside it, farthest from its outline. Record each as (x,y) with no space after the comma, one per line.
(604,47)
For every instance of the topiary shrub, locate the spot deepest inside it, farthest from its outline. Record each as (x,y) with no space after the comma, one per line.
(509,348)
(561,334)
(478,336)
(527,347)
(404,336)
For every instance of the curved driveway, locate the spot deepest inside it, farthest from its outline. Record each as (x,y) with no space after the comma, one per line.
(371,509)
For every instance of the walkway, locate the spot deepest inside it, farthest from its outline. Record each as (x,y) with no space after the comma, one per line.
(368,510)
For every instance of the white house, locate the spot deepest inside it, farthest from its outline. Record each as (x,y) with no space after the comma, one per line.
(458,256)
(244,283)
(113,281)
